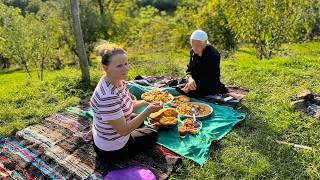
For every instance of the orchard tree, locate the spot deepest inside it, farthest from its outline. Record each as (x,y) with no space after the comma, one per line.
(16,39)
(46,32)
(213,19)
(267,23)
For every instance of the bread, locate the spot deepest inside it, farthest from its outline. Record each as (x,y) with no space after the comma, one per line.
(168,112)
(164,117)
(168,121)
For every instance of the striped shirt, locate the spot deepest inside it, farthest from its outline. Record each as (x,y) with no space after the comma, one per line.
(110,103)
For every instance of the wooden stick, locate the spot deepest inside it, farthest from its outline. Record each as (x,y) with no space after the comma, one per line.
(295,145)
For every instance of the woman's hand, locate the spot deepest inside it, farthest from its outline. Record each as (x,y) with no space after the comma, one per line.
(124,128)
(154,107)
(139,103)
(191,85)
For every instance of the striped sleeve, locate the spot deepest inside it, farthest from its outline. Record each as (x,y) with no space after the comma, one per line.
(108,107)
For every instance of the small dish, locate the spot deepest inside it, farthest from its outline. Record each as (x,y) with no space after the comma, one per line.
(192,127)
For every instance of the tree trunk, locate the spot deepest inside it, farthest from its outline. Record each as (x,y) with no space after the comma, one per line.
(73,49)
(27,69)
(42,60)
(101,6)
(270,49)
(258,47)
(6,63)
(42,66)
(79,40)
(37,69)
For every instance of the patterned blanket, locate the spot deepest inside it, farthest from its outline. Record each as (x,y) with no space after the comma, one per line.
(60,147)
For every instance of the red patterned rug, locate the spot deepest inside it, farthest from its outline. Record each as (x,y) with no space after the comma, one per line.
(60,147)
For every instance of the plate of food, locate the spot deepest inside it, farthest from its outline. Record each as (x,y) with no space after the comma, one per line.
(179,100)
(155,96)
(163,119)
(202,110)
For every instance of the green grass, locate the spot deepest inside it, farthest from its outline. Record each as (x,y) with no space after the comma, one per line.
(250,150)
(27,100)
(247,152)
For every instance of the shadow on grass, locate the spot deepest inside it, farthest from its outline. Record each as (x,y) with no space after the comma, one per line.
(10,71)
(248,151)
(260,138)
(247,52)
(76,87)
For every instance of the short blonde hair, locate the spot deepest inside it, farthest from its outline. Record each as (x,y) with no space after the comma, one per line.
(107,53)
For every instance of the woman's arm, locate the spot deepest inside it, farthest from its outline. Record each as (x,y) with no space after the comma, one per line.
(124,128)
(189,67)
(138,103)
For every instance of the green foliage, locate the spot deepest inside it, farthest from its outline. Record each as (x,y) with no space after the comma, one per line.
(34,40)
(45,38)
(168,64)
(15,37)
(94,25)
(184,19)
(213,20)
(142,28)
(26,6)
(150,20)
(162,5)
(268,24)
(16,3)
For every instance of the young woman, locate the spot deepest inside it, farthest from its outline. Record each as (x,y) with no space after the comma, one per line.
(116,134)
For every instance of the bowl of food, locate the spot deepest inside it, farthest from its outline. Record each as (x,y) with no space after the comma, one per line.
(193,127)
(202,110)
(179,100)
(156,96)
(163,119)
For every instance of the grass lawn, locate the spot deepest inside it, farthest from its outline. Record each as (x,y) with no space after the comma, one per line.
(248,152)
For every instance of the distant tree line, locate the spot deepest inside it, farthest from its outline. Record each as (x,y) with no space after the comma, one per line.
(38,34)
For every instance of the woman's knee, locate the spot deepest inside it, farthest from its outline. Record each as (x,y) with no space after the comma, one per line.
(144,135)
(154,135)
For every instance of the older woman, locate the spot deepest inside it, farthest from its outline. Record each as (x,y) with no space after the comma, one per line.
(116,134)
(203,72)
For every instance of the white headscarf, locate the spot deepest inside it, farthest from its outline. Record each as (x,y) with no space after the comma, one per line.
(199,35)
